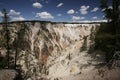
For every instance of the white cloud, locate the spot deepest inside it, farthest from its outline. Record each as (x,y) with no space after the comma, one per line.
(110,7)
(37,5)
(94,17)
(103,9)
(87,21)
(19,18)
(59,14)
(59,5)
(103,16)
(95,9)
(83,9)
(44,15)
(76,18)
(15,16)
(13,12)
(71,11)
(1,14)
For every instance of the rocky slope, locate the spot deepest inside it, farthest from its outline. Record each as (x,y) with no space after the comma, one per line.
(46,50)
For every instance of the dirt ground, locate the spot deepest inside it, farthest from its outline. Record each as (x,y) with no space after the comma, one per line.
(6,74)
(98,74)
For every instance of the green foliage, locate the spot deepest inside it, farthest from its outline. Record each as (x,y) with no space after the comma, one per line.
(111,13)
(107,38)
(118,36)
(103,4)
(105,41)
(5,16)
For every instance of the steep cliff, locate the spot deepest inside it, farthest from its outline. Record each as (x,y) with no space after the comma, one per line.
(46,50)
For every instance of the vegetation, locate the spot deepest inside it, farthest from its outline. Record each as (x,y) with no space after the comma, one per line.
(5,24)
(84,46)
(107,40)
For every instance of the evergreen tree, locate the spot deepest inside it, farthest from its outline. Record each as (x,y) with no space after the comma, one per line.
(5,22)
(107,40)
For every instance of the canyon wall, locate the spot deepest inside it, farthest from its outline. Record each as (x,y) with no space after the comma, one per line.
(47,50)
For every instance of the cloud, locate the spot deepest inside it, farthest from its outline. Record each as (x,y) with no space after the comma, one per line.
(76,18)
(18,18)
(37,5)
(83,9)
(59,14)
(103,16)
(87,21)
(71,11)
(59,5)
(44,15)
(15,16)
(95,9)
(94,17)
(1,14)
(103,9)
(110,7)
(13,12)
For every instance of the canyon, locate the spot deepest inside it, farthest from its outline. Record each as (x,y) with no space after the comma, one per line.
(52,50)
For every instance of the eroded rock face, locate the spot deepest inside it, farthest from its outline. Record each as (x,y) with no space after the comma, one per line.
(50,50)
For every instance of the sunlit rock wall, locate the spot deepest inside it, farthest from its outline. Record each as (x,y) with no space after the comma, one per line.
(46,50)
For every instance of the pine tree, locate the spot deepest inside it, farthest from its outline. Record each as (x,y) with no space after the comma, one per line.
(5,21)
(107,39)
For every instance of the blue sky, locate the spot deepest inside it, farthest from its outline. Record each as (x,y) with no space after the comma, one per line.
(53,10)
